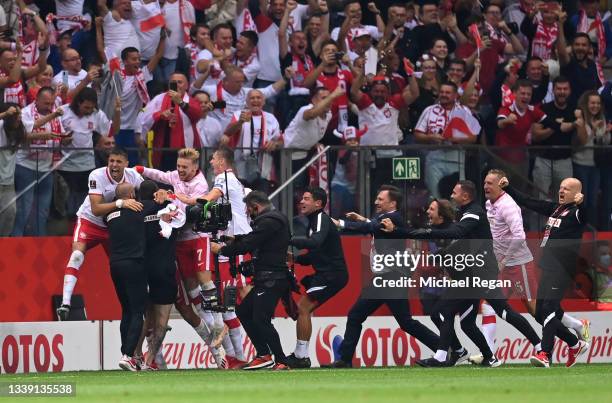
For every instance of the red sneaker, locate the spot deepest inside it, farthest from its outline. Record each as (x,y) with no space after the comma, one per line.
(574,353)
(259,362)
(235,363)
(152,367)
(540,360)
(128,364)
(279,366)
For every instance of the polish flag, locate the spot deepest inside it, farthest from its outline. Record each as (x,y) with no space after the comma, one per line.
(113,60)
(476,34)
(462,124)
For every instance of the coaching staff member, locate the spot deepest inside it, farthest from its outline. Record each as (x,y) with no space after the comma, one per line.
(268,244)
(386,204)
(326,257)
(560,250)
(126,230)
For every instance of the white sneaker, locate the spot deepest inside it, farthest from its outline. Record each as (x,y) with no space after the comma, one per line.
(476,359)
(219,357)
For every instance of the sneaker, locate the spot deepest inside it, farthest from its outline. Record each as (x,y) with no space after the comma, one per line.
(128,364)
(476,359)
(574,353)
(140,360)
(540,360)
(63,312)
(235,363)
(338,364)
(492,362)
(585,334)
(279,366)
(263,361)
(151,367)
(220,358)
(456,358)
(433,363)
(295,362)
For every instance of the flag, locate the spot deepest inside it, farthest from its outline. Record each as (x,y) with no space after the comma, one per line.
(112,60)
(462,124)
(408,67)
(156,21)
(476,34)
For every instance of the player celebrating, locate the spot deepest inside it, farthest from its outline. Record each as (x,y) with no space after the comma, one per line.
(228,186)
(90,229)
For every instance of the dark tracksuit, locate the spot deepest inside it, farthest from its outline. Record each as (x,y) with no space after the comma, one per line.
(268,244)
(384,243)
(560,251)
(473,235)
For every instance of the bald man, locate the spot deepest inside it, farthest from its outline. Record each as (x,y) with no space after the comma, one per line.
(72,79)
(560,250)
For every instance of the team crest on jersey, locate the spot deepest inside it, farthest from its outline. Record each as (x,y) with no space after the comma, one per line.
(90,125)
(92,184)
(387,113)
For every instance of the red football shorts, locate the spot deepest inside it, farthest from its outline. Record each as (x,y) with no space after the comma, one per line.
(524,278)
(192,256)
(89,233)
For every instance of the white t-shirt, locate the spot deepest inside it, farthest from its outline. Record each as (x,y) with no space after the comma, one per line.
(271,127)
(131,103)
(39,156)
(82,137)
(267,48)
(250,68)
(304,134)
(215,72)
(71,80)
(210,132)
(150,39)
(372,30)
(66,8)
(7,160)
(101,183)
(240,223)
(173,23)
(119,35)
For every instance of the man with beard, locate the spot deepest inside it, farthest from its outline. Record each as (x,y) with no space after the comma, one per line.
(557,129)
(581,71)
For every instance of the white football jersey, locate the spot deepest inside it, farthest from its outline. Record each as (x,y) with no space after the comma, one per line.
(240,223)
(101,183)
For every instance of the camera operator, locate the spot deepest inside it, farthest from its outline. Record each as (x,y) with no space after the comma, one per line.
(326,257)
(227,186)
(267,243)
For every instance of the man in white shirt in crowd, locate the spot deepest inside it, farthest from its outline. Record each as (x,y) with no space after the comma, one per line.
(148,21)
(73,78)
(307,128)
(209,128)
(245,56)
(180,17)
(254,134)
(213,61)
(352,12)
(119,33)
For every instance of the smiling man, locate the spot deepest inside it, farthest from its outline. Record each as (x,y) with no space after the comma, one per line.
(326,257)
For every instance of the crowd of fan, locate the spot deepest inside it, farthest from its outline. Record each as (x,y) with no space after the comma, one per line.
(79,76)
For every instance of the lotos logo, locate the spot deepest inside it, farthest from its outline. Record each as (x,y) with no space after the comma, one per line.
(327,348)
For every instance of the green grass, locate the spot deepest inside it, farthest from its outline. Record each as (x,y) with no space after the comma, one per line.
(510,383)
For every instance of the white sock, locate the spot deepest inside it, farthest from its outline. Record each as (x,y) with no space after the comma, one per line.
(538,347)
(202,330)
(440,355)
(572,323)
(228,346)
(235,336)
(69,284)
(489,324)
(301,349)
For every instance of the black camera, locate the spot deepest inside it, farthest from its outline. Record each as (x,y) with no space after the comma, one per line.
(338,56)
(209,216)
(246,268)
(219,104)
(514,28)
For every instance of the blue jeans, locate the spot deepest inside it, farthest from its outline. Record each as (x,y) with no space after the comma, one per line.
(126,138)
(38,197)
(589,176)
(164,70)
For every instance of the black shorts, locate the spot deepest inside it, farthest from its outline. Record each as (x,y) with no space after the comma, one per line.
(162,282)
(324,285)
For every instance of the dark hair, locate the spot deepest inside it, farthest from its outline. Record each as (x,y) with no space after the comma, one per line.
(257,197)
(147,189)
(125,52)
(13,127)
(532,58)
(200,92)
(251,36)
(223,25)
(458,61)
(497,172)
(394,194)
(561,80)
(468,187)
(118,151)
(42,90)
(445,210)
(349,2)
(450,84)
(315,91)
(194,29)
(581,35)
(522,83)
(227,154)
(318,194)
(329,42)
(86,94)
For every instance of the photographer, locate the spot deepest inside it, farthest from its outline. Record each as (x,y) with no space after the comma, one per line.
(268,243)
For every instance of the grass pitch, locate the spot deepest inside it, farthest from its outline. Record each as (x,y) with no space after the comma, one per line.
(509,383)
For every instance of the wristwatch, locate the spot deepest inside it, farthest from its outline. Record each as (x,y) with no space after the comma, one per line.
(119,203)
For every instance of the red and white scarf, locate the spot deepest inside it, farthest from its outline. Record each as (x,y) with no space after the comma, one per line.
(14,92)
(507,96)
(248,61)
(597,24)
(55,127)
(30,54)
(139,84)
(544,40)
(186,21)
(301,67)
(77,22)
